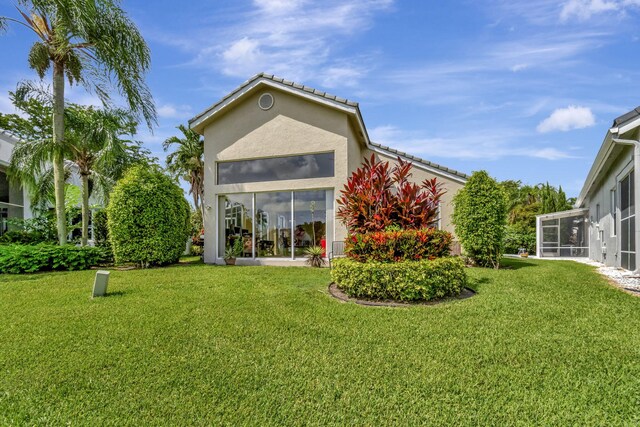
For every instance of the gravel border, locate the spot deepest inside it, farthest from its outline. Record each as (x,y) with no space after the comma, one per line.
(618,277)
(335,292)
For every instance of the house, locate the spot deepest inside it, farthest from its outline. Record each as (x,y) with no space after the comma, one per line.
(602,227)
(14,200)
(276,156)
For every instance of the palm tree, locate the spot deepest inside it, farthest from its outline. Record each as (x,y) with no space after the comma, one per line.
(187,161)
(89,42)
(95,147)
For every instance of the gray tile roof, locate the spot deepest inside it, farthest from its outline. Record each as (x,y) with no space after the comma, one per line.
(415,159)
(280,80)
(626,117)
(334,98)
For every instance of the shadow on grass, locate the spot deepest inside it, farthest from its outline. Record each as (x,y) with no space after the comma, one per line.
(116,294)
(515,264)
(476,283)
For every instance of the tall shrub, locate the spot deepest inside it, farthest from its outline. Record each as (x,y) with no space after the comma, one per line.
(479,217)
(378,196)
(148,218)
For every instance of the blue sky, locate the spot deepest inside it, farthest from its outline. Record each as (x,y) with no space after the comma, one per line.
(523,89)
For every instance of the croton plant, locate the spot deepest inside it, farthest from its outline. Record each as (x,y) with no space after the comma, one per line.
(378,196)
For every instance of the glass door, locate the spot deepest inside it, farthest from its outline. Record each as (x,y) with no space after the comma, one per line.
(627,223)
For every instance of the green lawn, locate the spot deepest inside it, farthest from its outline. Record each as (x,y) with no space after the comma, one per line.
(546,343)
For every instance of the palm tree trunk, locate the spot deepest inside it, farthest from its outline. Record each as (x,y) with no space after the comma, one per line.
(195,200)
(85,208)
(58,159)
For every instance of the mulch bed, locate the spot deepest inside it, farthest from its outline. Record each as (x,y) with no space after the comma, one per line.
(338,294)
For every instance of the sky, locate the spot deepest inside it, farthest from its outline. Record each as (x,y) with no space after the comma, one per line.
(523,89)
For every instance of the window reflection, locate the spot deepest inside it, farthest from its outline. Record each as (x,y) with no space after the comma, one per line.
(277,169)
(310,211)
(238,222)
(273,224)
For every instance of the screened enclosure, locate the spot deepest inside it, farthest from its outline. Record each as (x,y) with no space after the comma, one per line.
(564,234)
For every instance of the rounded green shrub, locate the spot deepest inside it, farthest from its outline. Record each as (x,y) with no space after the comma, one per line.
(400,281)
(480,217)
(148,218)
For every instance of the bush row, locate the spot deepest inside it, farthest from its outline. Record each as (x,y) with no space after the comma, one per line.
(401,281)
(401,245)
(16,259)
(514,240)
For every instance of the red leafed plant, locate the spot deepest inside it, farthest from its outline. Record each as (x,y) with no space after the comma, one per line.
(378,196)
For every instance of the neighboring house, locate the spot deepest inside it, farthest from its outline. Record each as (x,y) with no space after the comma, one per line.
(603,226)
(276,156)
(14,200)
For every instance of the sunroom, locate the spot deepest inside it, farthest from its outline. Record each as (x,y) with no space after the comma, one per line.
(563,234)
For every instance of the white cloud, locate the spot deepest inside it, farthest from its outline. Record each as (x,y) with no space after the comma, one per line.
(480,144)
(585,9)
(565,119)
(171,111)
(341,76)
(519,67)
(295,39)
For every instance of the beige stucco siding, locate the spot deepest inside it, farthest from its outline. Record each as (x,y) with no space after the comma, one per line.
(292,126)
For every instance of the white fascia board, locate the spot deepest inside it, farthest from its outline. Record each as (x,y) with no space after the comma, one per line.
(621,130)
(422,166)
(601,157)
(562,214)
(292,90)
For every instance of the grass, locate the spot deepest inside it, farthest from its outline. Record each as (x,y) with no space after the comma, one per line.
(546,343)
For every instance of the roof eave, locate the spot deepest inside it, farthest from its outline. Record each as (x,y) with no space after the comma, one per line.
(198,122)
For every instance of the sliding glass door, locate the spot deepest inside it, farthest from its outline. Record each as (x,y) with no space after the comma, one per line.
(273,224)
(281,224)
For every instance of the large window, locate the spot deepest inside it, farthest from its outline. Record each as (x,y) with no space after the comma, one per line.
(310,214)
(237,223)
(280,224)
(273,224)
(627,223)
(276,169)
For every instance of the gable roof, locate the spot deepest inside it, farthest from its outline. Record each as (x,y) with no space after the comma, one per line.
(626,117)
(608,151)
(351,108)
(198,122)
(417,161)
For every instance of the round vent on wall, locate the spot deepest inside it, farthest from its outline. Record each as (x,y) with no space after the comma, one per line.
(265,101)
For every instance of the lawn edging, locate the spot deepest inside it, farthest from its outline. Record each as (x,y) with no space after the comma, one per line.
(337,293)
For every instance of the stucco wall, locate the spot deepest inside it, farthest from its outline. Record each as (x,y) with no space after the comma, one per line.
(601,229)
(292,126)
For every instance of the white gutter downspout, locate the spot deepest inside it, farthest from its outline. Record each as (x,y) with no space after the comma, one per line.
(636,186)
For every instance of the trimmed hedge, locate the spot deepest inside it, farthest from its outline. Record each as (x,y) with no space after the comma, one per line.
(16,259)
(400,245)
(148,218)
(401,281)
